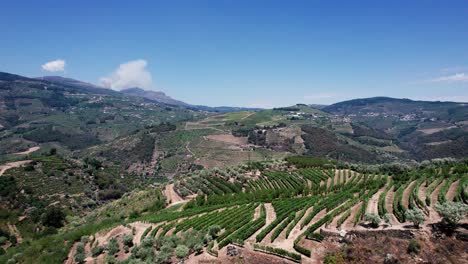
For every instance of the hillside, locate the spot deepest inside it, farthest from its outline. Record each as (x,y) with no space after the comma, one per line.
(299,210)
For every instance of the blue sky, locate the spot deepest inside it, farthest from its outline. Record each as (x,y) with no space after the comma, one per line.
(246,53)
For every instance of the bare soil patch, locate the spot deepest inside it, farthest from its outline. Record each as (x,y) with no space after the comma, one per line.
(171,195)
(13,164)
(406,194)
(373,205)
(30,150)
(452,190)
(228,138)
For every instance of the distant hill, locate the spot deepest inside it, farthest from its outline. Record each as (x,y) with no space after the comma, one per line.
(161,97)
(153,95)
(393,106)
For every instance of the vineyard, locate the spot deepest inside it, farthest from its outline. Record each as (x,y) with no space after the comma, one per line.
(277,209)
(282,211)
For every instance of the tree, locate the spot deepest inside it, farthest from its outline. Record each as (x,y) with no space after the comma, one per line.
(416,216)
(214,230)
(374,219)
(54,217)
(452,212)
(181,251)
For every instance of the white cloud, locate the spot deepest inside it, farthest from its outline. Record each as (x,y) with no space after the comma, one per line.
(54,66)
(129,74)
(458,77)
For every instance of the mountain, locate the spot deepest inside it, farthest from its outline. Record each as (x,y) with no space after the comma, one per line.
(161,97)
(154,96)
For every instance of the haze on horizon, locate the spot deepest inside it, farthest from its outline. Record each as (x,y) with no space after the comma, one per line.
(245,53)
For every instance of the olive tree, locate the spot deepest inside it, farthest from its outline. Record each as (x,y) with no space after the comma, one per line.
(452,212)
(181,251)
(374,219)
(416,216)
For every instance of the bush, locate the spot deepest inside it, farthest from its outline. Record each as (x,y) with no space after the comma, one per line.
(53,217)
(96,251)
(113,246)
(181,251)
(416,216)
(127,240)
(387,218)
(414,247)
(452,212)
(198,248)
(80,248)
(79,258)
(373,219)
(214,230)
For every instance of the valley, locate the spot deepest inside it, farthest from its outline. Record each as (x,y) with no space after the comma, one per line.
(120,178)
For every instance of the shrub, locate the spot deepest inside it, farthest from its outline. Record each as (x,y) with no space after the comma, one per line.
(113,246)
(79,258)
(416,216)
(96,251)
(53,217)
(414,247)
(387,218)
(373,219)
(80,248)
(198,248)
(127,240)
(181,251)
(452,212)
(214,230)
(147,242)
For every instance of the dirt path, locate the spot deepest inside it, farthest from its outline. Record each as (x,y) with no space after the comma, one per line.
(406,194)
(452,190)
(435,193)
(13,164)
(172,197)
(140,228)
(295,232)
(189,150)
(389,204)
(373,204)
(15,232)
(433,215)
(30,150)
(270,217)
(349,223)
(423,190)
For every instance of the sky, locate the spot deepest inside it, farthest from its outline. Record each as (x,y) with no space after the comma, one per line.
(245,53)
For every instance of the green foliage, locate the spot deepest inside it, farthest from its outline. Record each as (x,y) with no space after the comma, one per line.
(127,240)
(307,162)
(79,258)
(416,216)
(373,219)
(414,247)
(278,252)
(113,247)
(96,251)
(181,251)
(53,217)
(452,212)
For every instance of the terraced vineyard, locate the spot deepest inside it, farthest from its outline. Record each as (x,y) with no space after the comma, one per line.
(282,211)
(275,208)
